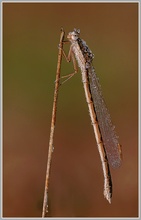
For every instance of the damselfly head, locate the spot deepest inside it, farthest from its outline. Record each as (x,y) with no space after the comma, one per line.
(74,35)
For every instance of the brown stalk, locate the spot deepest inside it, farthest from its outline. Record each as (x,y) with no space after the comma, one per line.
(52,128)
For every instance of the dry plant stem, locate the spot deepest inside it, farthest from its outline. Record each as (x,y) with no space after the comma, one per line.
(52,129)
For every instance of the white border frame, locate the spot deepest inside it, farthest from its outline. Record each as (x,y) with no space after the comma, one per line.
(1,95)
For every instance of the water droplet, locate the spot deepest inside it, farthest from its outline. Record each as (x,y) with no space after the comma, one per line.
(52,149)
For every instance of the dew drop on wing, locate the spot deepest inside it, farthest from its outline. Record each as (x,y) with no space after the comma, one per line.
(107,129)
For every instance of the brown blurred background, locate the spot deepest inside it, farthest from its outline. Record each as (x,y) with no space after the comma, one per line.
(31,33)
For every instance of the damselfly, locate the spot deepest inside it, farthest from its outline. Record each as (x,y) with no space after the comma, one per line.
(106,138)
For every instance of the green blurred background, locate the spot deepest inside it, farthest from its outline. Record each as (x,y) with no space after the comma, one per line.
(31,33)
